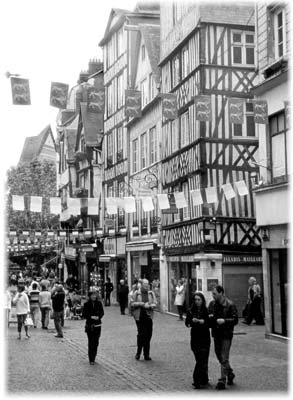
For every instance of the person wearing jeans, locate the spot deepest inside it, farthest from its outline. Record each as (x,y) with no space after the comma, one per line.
(45,306)
(223,317)
(58,299)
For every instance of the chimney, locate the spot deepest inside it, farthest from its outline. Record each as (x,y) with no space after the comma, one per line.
(94,66)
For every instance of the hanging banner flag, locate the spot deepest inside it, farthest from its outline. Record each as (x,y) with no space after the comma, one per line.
(111,205)
(173,209)
(180,200)
(236,110)
(132,103)
(93,206)
(228,191)
(95,100)
(59,93)
(260,110)
(73,205)
(242,188)
(211,194)
(18,203)
(169,106)
(163,201)
(196,197)
(129,204)
(203,108)
(120,203)
(20,91)
(147,203)
(36,204)
(55,205)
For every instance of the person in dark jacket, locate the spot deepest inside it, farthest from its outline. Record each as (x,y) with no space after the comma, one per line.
(93,313)
(223,317)
(123,296)
(197,318)
(108,289)
(58,299)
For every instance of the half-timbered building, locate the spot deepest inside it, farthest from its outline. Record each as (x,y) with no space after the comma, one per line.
(272,189)
(209,50)
(118,47)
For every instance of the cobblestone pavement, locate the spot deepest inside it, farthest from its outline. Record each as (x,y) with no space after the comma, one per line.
(44,364)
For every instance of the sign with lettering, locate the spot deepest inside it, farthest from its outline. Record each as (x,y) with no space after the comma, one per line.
(110,246)
(241,259)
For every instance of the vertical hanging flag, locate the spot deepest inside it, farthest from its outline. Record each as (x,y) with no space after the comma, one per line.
(228,191)
(163,201)
(203,108)
(93,206)
(55,205)
(129,204)
(260,110)
(59,93)
(236,110)
(73,205)
(95,100)
(172,209)
(147,203)
(196,197)
(20,91)
(18,203)
(169,106)
(111,205)
(242,188)
(180,200)
(120,203)
(132,103)
(36,203)
(211,194)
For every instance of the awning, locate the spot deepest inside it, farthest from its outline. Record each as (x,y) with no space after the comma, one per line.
(142,245)
(106,257)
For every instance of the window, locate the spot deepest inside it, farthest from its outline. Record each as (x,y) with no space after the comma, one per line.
(185,62)
(119,42)
(144,92)
(186,195)
(135,155)
(279,30)
(110,191)
(248,127)
(152,87)
(184,129)
(279,144)
(153,145)
(174,135)
(119,143)
(175,71)
(143,150)
(110,149)
(110,99)
(243,48)
(143,52)
(120,91)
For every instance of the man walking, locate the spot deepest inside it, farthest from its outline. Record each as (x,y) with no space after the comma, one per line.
(123,296)
(108,289)
(223,316)
(58,299)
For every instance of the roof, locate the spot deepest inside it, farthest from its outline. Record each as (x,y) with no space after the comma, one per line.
(114,13)
(93,124)
(237,13)
(33,145)
(151,37)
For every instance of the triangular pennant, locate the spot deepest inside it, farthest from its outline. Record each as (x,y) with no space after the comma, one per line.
(111,205)
(96,100)
(203,108)
(180,200)
(228,191)
(36,204)
(260,110)
(20,91)
(169,106)
(236,110)
(55,205)
(147,203)
(18,203)
(59,94)
(132,103)
(130,206)
(196,197)
(242,188)
(163,201)
(93,206)
(211,194)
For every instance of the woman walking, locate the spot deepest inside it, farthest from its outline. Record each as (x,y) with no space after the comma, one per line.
(180,298)
(45,306)
(198,319)
(22,309)
(93,313)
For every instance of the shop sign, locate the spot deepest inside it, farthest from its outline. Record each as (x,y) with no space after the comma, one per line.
(241,259)
(110,246)
(109,223)
(121,243)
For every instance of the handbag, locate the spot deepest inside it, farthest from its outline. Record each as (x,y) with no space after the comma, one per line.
(28,321)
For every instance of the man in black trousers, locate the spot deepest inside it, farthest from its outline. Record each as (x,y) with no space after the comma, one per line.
(123,296)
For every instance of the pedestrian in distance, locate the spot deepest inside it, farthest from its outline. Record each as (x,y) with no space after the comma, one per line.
(197,318)
(45,303)
(180,298)
(223,317)
(123,296)
(93,313)
(45,281)
(108,287)
(34,299)
(22,308)
(58,302)
(7,307)
(254,303)
(143,303)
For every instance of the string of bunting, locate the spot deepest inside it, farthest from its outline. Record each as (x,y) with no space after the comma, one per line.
(128,204)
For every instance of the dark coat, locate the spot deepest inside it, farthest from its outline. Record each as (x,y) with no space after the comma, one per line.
(58,299)
(90,309)
(123,293)
(108,287)
(200,333)
(228,312)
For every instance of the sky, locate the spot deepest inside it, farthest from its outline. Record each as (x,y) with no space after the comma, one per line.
(45,41)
